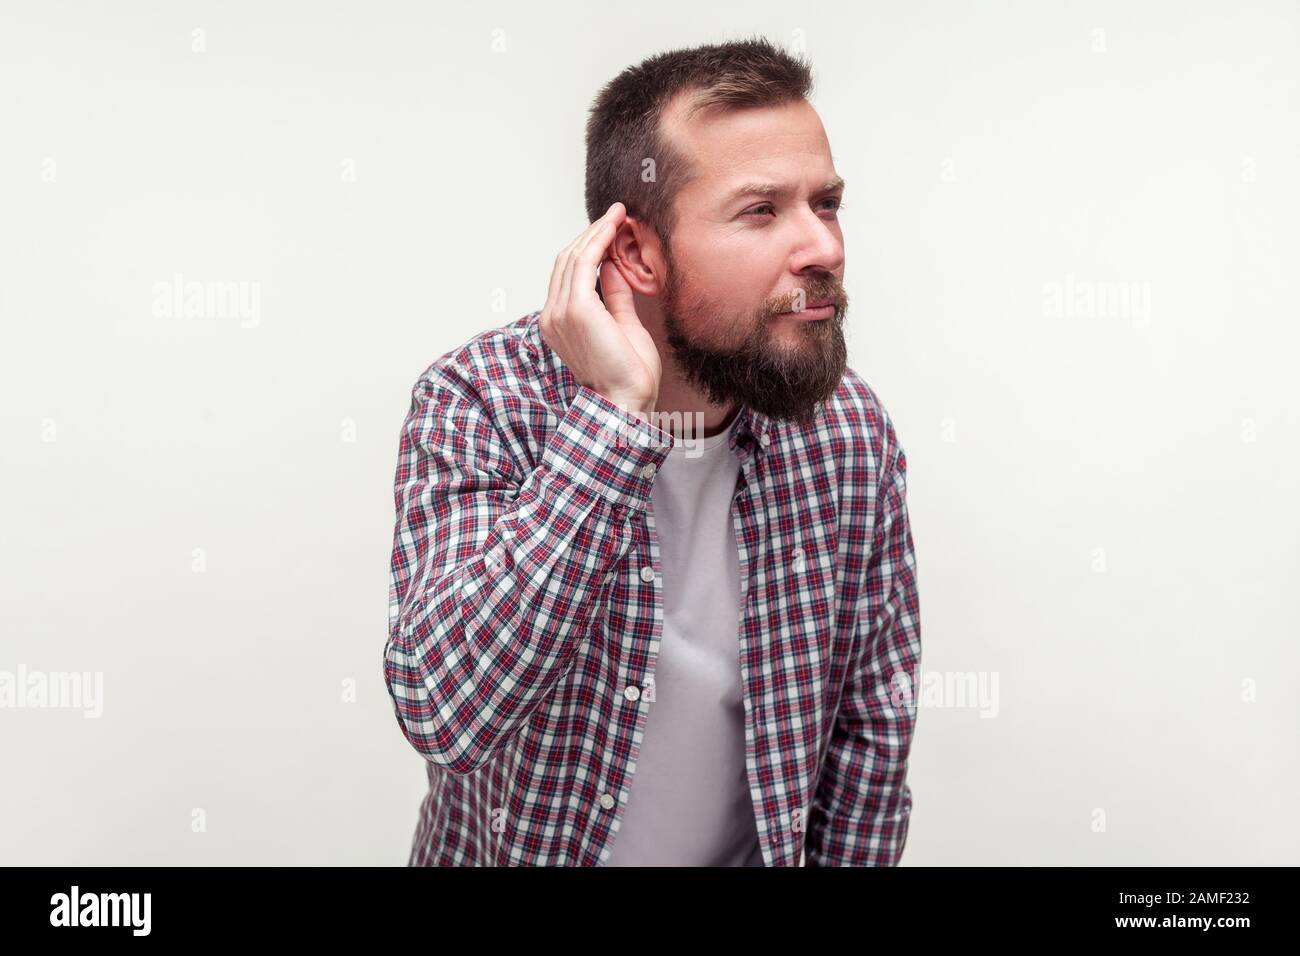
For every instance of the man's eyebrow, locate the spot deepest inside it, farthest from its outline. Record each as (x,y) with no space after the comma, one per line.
(772,189)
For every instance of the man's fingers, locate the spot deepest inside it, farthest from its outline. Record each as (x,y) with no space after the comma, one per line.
(587,239)
(586,261)
(558,289)
(613,216)
(557,272)
(553,289)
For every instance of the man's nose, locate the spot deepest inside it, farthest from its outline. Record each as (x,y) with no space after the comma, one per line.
(820,247)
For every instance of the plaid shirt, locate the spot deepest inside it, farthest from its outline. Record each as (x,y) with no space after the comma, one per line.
(525,612)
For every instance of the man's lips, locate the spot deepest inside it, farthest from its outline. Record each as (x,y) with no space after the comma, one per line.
(814,310)
(812,306)
(814,314)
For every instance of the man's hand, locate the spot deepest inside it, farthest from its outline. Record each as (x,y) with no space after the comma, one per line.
(603,344)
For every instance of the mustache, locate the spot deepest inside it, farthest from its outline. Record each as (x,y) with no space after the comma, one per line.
(816,291)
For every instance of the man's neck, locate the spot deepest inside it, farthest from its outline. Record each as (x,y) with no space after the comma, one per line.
(681,408)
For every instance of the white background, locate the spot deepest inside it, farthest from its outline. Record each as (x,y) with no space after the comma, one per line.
(991,149)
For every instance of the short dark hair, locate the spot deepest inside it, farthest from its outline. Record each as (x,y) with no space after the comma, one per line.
(623,130)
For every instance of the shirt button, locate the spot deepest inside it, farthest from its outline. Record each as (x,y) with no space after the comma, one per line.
(609,577)
(607,800)
(632,693)
(648,471)
(647,574)
(765,440)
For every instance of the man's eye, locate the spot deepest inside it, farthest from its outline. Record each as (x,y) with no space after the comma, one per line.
(836,204)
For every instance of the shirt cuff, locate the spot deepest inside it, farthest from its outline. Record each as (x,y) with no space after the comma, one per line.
(607,449)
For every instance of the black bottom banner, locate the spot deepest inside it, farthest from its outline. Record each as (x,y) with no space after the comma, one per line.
(1221,906)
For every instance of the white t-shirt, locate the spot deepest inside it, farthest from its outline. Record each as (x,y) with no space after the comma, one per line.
(689,802)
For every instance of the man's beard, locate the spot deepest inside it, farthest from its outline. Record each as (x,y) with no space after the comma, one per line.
(785,383)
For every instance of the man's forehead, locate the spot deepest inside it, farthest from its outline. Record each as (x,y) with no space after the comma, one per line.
(713,141)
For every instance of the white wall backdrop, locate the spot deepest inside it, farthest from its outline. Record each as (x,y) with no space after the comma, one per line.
(1071,231)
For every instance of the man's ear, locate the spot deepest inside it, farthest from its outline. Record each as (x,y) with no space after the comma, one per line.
(638,256)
